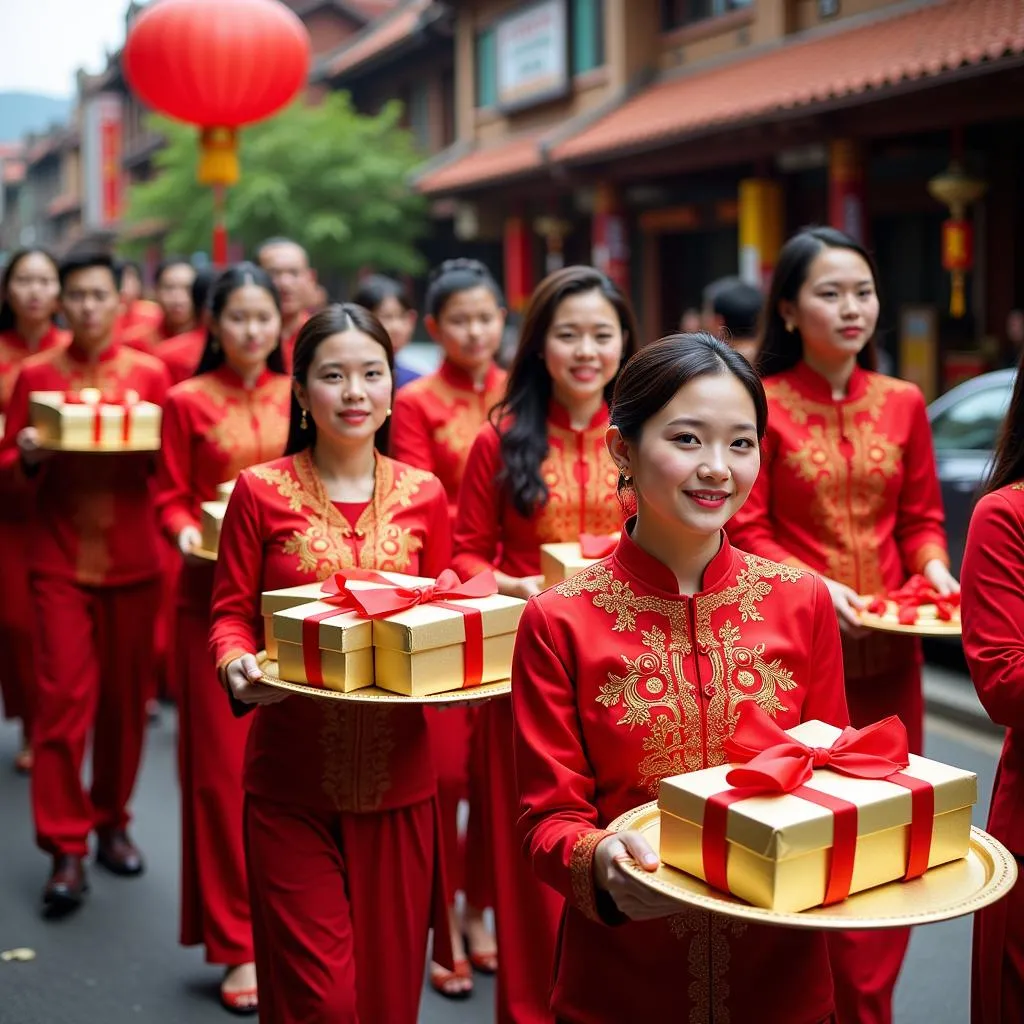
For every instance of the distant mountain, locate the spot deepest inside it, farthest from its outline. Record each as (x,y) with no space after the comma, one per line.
(22,112)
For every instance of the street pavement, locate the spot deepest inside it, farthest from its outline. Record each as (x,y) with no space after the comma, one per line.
(118,961)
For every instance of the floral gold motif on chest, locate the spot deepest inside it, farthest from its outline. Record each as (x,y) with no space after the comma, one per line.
(687,719)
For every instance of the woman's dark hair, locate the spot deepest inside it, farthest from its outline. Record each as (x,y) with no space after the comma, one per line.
(649,381)
(335,319)
(1008,460)
(373,290)
(166,264)
(781,349)
(522,416)
(238,276)
(454,276)
(8,321)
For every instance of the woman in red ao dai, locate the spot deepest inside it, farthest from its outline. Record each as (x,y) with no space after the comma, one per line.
(539,474)
(634,670)
(340,801)
(231,415)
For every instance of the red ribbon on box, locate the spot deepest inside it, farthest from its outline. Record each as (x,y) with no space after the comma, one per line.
(597,545)
(334,593)
(384,601)
(775,762)
(126,402)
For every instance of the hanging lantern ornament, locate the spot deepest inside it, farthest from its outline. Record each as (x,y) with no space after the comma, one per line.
(218,64)
(957,190)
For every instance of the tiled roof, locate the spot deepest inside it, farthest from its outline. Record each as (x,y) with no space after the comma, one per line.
(506,160)
(379,37)
(926,42)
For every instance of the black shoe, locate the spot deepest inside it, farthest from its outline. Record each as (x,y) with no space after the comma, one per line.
(66,887)
(119,855)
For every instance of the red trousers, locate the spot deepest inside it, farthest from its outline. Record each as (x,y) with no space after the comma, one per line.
(468,863)
(165,679)
(211,748)
(18,672)
(341,908)
(997,974)
(866,965)
(95,661)
(526,911)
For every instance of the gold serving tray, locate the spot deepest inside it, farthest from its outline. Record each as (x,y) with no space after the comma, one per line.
(935,627)
(206,556)
(962,887)
(375,695)
(96,449)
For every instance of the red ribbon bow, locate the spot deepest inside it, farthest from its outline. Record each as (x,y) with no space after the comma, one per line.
(775,762)
(125,401)
(597,545)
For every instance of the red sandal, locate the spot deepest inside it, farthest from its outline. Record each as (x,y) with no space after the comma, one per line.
(441,977)
(242,1002)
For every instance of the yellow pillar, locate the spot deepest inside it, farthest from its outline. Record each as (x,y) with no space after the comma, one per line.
(760,220)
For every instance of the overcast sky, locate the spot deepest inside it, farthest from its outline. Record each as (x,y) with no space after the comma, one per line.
(43,42)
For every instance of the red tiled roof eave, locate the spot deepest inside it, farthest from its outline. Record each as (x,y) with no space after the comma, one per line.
(485,165)
(927,42)
(390,31)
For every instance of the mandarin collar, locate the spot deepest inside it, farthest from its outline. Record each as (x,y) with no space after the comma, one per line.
(558,416)
(818,388)
(458,378)
(231,379)
(46,341)
(85,358)
(657,576)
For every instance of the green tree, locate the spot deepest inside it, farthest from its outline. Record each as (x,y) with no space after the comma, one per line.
(334,180)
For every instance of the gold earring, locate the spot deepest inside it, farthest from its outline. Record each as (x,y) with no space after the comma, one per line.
(627,480)
(304,422)
(389,413)
(789,327)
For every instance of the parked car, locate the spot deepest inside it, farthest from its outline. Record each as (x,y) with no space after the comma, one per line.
(965,422)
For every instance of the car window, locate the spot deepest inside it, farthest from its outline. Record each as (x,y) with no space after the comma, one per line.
(972,423)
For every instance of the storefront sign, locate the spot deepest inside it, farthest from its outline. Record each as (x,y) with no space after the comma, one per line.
(101,154)
(533,55)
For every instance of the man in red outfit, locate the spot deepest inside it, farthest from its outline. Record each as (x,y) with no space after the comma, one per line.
(94,569)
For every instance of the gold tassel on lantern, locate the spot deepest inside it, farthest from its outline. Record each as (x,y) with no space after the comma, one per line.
(957,190)
(218,162)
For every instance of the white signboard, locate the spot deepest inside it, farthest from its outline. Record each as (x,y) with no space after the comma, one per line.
(533,55)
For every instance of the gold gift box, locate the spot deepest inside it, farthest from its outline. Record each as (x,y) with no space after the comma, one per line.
(779,846)
(279,601)
(422,650)
(225,490)
(560,561)
(345,642)
(211,518)
(74,426)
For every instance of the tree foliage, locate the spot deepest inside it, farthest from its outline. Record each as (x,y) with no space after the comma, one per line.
(334,180)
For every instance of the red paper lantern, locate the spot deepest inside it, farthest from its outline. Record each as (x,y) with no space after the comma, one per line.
(218,64)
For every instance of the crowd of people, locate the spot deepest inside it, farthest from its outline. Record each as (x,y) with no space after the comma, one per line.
(762,477)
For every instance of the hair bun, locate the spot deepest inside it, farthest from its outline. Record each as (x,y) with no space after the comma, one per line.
(459,265)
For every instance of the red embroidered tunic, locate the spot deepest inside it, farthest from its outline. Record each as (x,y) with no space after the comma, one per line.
(436,419)
(14,350)
(848,488)
(288,344)
(581,479)
(94,522)
(619,681)
(281,530)
(181,354)
(213,428)
(993,624)
(137,322)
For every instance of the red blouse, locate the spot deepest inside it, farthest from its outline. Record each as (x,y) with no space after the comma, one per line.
(282,530)
(581,479)
(14,350)
(213,428)
(137,322)
(619,680)
(848,488)
(993,625)
(288,344)
(95,523)
(436,419)
(181,354)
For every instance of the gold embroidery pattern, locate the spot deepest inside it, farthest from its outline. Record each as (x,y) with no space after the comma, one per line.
(1017,487)
(247,424)
(581,488)
(465,414)
(654,691)
(849,494)
(356,744)
(708,958)
(581,870)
